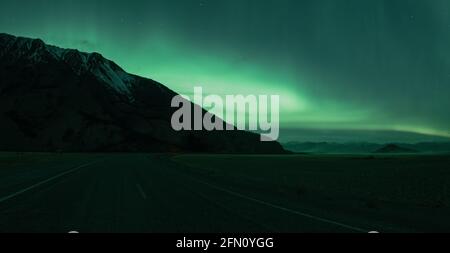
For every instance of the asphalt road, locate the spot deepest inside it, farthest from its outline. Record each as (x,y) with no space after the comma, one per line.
(143,193)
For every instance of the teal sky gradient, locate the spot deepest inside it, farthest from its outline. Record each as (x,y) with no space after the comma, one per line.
(337,64)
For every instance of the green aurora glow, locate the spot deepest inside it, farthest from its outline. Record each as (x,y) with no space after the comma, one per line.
(350,64)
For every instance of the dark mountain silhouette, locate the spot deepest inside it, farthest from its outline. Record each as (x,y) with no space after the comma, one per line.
(54,99)
(331,148)
(394,148)
(366,147)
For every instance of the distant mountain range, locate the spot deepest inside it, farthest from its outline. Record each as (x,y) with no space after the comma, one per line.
(395,149)
(54,99)
(367,148)
(356,136)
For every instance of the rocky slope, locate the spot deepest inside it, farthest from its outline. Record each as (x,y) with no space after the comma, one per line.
(54,99)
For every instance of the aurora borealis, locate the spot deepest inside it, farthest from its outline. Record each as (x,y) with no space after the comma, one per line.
(337,64)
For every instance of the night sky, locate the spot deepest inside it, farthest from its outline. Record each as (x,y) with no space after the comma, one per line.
(337,64)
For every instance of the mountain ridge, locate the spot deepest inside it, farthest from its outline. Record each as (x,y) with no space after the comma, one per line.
(368,147)
(81,62)
(394,149)
(66,100)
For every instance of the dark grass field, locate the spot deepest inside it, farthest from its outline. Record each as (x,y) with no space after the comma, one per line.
(411,191)
(416,180)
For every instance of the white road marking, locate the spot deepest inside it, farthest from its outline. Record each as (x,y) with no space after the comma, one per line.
(141,191)
(13,195)
(236,194)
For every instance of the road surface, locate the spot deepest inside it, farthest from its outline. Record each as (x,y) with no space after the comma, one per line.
(144,193)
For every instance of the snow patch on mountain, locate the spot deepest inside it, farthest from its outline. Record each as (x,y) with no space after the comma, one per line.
(56,51)
(116,79)
(35,50)
(101,68)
